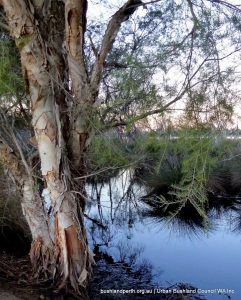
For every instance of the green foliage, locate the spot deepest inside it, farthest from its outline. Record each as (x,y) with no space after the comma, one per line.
(196,167)
(105,152)
(23,41)
(152,144)
(189,166)
(180,168)
(10,74)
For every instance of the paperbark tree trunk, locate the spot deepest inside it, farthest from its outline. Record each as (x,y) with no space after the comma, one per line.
(33,210)
(68,258)
(50,37)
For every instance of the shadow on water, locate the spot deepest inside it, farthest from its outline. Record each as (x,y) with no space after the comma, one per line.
(139,245)
(187,220)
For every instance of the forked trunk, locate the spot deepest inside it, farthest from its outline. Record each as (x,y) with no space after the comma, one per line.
(50,38)
(62,253)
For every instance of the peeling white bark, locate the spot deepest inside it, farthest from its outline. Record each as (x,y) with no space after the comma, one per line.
(32,206)
(69,249)
(62,242)
(34,213)
(47,199)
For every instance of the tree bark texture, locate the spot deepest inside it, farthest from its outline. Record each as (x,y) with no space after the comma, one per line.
(50,37)
(69,259)
(33,210)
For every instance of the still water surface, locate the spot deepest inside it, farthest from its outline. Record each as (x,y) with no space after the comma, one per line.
(174,249)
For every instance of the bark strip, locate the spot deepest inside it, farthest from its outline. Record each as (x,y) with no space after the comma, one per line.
(33,210)
(70,255)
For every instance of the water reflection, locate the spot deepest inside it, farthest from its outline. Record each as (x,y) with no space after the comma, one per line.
(116,202)
(137,243)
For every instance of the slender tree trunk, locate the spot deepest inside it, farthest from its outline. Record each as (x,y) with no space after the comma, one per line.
(33,210)
(42,246)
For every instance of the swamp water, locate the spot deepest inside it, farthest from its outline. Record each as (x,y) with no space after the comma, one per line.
(138,248)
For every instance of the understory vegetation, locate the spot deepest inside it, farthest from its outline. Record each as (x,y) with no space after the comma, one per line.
(147,86)
(186,166)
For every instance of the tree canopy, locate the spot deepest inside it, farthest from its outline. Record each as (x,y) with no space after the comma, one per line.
(84,73)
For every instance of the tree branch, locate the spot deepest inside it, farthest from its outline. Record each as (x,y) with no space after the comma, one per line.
(195,19)
(227,4)
(75,27)
(186,86)
(146,114)
(151,2)
(111,32)
(115,64)
(11,161)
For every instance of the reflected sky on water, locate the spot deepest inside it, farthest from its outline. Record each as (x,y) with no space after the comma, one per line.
(178,249)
